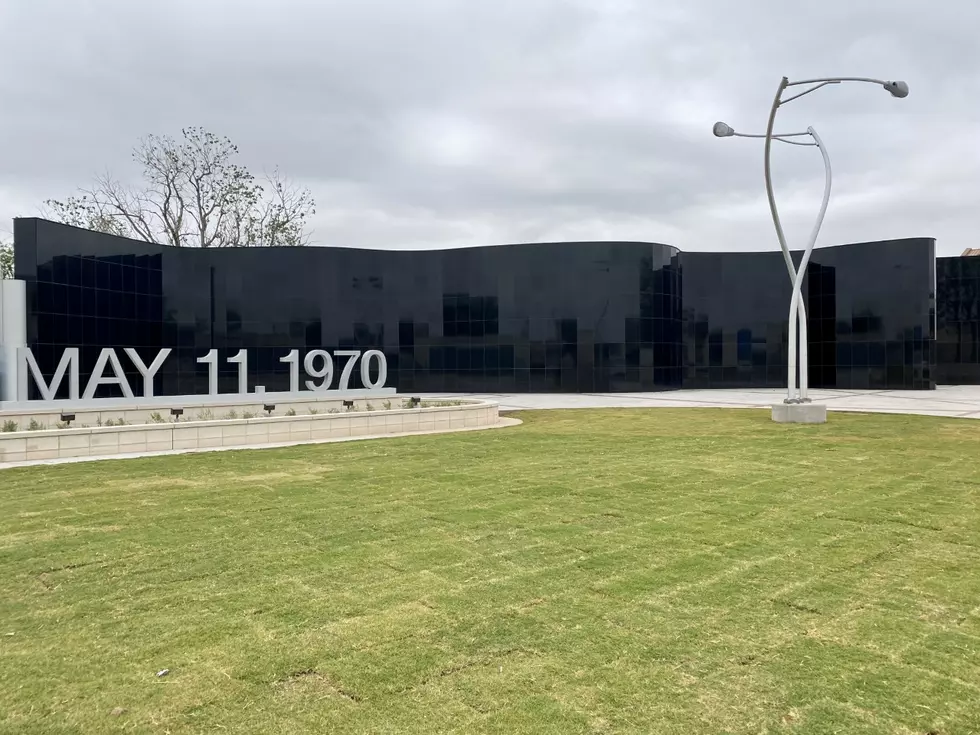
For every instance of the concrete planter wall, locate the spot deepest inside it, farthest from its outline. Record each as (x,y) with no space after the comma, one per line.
(142,413)
(106,441)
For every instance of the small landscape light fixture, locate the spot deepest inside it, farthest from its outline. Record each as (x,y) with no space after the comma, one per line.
(176,413)
(269,408)
(348,404)
(414,401)
(68,417)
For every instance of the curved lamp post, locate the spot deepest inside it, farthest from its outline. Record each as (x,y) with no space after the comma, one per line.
(797,308)
(797,311)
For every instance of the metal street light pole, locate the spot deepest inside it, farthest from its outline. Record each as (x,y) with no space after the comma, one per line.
(797,311)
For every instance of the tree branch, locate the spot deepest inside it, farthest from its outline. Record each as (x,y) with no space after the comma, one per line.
(193,190)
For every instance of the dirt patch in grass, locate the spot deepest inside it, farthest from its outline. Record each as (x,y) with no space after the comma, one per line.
(310,679)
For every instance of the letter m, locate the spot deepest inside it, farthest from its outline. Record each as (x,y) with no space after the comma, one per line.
(28,365)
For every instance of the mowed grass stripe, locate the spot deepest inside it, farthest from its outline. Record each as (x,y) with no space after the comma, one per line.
(592,571)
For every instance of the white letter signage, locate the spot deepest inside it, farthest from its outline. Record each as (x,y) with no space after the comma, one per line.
(318,366)
(69,362)
(108,355)
(325,371)
(148,372)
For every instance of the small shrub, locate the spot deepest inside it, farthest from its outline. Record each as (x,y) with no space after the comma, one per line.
(110,422)
(35,425)
(387,405)
(120,422)
(334,410)
(248,415)
(9,426)
(157,418)
(205,415)
(232,414)
(369,407)
(291,412)
(314,411)
(61,425)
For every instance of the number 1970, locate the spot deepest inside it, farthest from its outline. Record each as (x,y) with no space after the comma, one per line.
(317,364)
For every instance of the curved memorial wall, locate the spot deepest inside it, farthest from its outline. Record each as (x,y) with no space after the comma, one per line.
(572,317)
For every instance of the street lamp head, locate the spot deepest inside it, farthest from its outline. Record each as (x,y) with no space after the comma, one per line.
(723,130)
(897,89)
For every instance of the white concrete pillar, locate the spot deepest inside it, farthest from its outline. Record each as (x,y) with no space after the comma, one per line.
(13,333)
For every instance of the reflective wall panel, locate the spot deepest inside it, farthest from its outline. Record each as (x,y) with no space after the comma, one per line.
(958,320)
(570,317)
(870,317)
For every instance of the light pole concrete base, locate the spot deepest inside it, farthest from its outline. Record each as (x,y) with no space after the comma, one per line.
(799,413)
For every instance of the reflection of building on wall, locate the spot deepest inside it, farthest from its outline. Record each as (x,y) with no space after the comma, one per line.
(577,317)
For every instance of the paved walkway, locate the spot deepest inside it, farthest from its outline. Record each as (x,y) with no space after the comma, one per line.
(955,401)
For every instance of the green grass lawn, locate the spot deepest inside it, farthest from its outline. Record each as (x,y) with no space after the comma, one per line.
(662,571)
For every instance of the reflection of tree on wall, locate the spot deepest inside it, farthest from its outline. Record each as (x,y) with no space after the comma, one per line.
(6,260)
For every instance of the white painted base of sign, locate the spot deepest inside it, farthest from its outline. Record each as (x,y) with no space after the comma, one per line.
(197,401)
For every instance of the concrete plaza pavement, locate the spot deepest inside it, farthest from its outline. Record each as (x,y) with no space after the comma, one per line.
(957,401)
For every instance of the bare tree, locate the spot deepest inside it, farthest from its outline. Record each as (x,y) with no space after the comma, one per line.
(193,194)
(6,260)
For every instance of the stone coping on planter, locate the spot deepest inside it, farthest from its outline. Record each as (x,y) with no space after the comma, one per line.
(27,446)
(136,413)
(157,403)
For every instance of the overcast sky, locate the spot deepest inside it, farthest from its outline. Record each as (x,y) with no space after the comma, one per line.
(440,123)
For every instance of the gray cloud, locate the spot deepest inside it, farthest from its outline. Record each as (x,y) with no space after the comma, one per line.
(444,122)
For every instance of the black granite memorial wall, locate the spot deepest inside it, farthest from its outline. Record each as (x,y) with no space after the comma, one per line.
(571,317)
